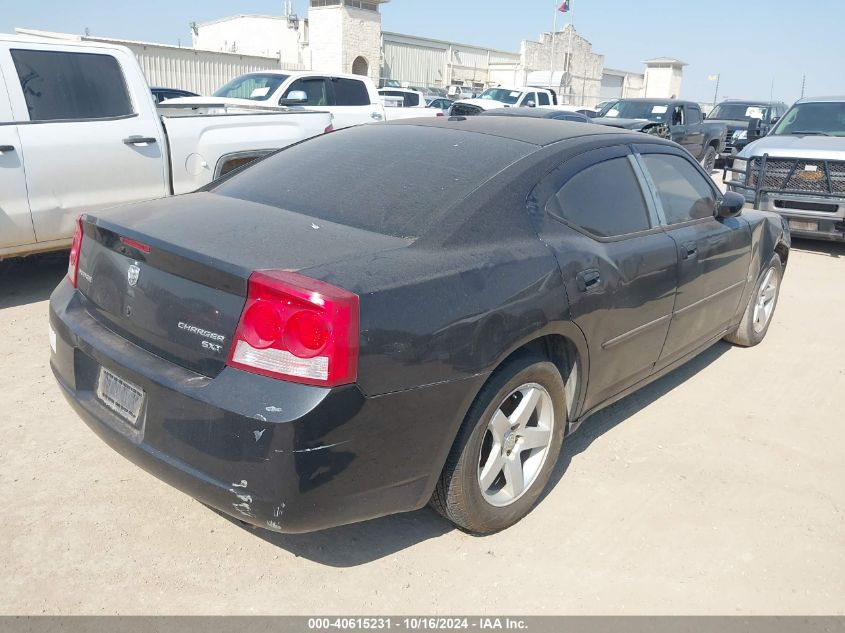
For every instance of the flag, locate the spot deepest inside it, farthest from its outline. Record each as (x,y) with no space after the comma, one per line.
(712,77)
(564,6)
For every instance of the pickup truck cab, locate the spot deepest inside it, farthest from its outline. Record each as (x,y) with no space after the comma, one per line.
(499,97)
(679,121)
(798,169)
(79,131)
(737,114)
(351,99)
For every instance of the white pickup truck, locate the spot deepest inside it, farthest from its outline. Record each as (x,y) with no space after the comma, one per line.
(351,99)
(79,131)
(404,103)
(494,98)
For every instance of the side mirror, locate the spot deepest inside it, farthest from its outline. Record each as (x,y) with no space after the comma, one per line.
(731,205)
(775,119)
(755,129)
(530,104)
(295,97)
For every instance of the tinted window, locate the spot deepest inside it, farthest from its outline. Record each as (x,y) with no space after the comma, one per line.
(684,193)
(350,92)
(58,85)
(366,178)
(694,115)
(605,199)
(315,88)
(544,99)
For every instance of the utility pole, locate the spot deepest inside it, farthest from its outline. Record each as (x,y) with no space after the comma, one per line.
(716,96)
(552,56)
(803,85)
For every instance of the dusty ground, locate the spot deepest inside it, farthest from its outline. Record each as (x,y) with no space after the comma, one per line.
(719,489)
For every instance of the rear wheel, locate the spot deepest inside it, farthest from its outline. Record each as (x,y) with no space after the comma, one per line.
(506,448)
(761,307)
(709,160)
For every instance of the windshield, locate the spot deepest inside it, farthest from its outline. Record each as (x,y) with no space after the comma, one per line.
(823,119)
(257,87)
(649,110)
(509,97)
(739,112)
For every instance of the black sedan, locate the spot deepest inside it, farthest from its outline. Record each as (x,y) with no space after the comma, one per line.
(346,330)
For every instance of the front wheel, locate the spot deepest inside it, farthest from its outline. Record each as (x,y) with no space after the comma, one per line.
(506,448)
(709,160)
(761,307)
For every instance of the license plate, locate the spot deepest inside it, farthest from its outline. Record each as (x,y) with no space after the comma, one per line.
(803,226)
(120,396)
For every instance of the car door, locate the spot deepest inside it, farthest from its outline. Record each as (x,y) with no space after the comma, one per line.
(15,219)
(714,254)
(694,140)
(88,143)
(678,127)
(618,264)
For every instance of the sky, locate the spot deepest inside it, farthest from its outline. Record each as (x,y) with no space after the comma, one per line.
(758,47)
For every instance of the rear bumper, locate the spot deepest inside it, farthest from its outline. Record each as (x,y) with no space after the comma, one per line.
(285,457)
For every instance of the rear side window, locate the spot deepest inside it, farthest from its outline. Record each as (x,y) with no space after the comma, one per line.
(314,87)
(605,200)
(694,115)
(350,92)
(544,99)
(365,177)
(684,193)
(58,85)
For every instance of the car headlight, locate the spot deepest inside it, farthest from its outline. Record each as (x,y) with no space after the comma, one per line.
(738,176)
(740,135)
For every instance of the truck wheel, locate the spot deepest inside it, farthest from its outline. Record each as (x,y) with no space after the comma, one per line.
(761,307)
(709,160)
(506,449)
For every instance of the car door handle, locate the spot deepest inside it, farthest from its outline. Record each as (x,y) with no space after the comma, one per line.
(588,280)
(6,148)
(689,250)
(139,140)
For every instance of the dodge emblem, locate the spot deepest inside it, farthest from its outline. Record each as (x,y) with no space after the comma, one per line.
(132,275)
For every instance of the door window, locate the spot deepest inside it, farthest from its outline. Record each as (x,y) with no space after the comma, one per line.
(678,116)
(350,92)
(543,99)
(605,200)
(59,86)
(683,192)
(314,87)
(694,115)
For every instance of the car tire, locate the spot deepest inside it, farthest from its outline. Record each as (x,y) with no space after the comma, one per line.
(479,487)
(709,160)
(760,311)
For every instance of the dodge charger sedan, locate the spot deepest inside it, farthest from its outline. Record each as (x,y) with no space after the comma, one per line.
(347,330)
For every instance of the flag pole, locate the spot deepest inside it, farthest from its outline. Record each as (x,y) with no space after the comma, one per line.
(552,57)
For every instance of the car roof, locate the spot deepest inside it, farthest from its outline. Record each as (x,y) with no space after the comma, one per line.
(527,129)
(531,113)
(840,99)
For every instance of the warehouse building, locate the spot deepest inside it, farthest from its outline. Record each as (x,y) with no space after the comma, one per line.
(347,36)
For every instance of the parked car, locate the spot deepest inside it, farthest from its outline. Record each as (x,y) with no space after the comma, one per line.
(351,99)
(538,113)
(499,97)
(798,169)
(605,105)
(461,92)
(736,114)
(308,356)
(439,103)
(680,121)
(163,94)
(405,103)
(79,132)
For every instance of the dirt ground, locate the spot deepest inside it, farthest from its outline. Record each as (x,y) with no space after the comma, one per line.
(719,489)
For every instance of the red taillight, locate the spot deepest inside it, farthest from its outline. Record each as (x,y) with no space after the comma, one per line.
(329,129)
(297,329)
(144,248)
(75,249)
(441,114)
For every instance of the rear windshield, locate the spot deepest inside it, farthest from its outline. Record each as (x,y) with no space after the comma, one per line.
(396,180)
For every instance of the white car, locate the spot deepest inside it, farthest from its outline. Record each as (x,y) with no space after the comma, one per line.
(79,131)
(351,99)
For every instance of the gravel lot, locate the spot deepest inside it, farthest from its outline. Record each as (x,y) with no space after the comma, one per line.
(719,489)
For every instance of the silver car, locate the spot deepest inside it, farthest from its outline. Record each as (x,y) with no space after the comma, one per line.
(798,169)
